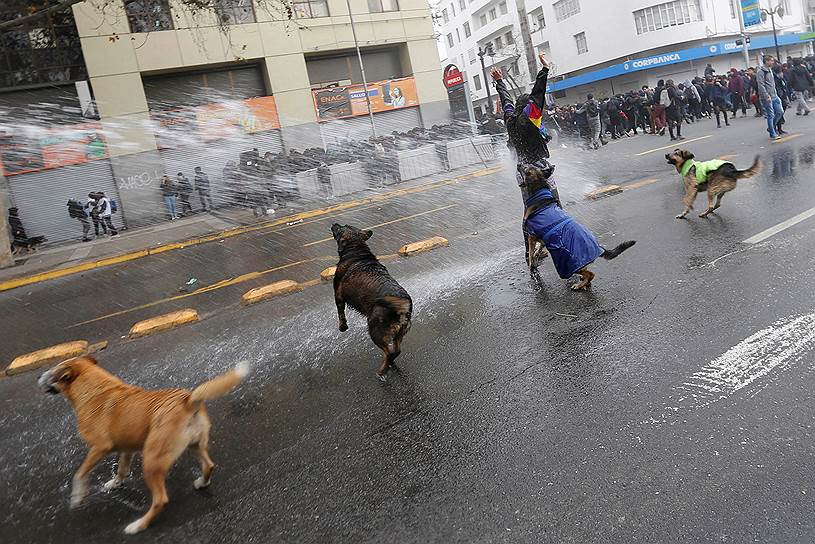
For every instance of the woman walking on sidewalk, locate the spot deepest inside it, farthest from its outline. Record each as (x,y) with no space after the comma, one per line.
(169,193)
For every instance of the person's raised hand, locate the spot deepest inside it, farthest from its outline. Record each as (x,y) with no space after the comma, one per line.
(496,74)
(542,58)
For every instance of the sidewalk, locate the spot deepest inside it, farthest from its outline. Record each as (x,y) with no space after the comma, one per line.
(200,225)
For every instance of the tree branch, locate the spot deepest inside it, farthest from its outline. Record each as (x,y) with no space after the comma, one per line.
(62,5)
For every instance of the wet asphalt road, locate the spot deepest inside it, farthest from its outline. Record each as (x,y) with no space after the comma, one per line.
(671,403)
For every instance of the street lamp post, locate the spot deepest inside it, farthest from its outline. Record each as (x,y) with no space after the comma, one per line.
(777,10)
(481,52)
(361,69)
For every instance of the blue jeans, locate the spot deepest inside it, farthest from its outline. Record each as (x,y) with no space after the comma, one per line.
(773,110)
(170,202)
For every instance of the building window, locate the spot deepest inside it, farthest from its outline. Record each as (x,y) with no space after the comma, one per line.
(450,40)
(483,19)
(667,14)
(458,36)
(445,16)
(515,69)
(582,46)
(566,8)
(498,43)
(502,7)
(381,6)
(493,15)
(234,12)
(467,30)
(307,9)
(477,82)
(732,9)
(471,56)
(509,39)
(462,4)
(541,21)
(148,15)
(453,9)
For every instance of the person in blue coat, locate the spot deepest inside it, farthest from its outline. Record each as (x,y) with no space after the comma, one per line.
(571,245)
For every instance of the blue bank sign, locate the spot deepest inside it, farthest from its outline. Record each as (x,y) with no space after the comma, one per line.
(751,12)
(666,59)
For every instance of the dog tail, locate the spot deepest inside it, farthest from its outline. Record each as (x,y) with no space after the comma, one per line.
(221,385)
(613,253)
(750,172)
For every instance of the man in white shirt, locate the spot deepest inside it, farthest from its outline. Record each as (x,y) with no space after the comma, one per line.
(105,212)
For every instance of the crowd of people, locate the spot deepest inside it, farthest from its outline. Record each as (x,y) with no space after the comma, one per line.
(769,89)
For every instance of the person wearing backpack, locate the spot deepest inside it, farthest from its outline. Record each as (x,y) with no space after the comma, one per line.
(106,209)
(77,211)
(661,102)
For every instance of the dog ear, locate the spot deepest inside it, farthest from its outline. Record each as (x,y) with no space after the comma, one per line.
(367,234)
(687,155)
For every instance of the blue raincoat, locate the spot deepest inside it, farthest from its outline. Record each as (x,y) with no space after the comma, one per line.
(571,245)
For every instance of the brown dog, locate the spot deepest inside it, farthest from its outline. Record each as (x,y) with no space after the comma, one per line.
(114,416)
(717,177)
(365,284)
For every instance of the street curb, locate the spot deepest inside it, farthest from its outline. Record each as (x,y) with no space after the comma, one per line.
(55,273)
(604,191)
(42,357)
(276,289)
(328,273)
(163,323)
(424,245)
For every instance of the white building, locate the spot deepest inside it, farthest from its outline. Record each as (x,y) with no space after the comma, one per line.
(612,46)
(493,27)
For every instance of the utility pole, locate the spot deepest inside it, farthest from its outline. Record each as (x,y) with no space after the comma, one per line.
(481,52)
(744,45)
(6,258)
(361,69)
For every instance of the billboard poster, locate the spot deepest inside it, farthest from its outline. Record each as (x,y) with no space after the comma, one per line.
(24,151)
(751,12)
(216,121)
(349,101)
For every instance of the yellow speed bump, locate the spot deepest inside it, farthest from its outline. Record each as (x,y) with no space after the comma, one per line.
(604,191)
(163,323)
(42,357)
(424,245)
(276,289)
(328,273)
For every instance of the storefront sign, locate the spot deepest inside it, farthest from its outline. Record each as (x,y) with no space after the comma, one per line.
(23,151)
(751,12)
(674,57)
(453,76)
(341,102)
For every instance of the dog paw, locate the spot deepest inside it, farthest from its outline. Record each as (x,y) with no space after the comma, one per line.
(78,494)
(200,483)
(578,287)
(112,484)
(382,378)
(343,327)
(135,527)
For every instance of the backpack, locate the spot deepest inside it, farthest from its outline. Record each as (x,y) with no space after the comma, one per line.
(663,99)
(113,206)
(591,109)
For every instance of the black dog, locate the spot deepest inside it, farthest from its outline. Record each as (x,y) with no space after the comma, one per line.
(365,284)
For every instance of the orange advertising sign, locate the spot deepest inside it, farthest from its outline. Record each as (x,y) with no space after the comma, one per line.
(63,146)
(216,121)
(349,101)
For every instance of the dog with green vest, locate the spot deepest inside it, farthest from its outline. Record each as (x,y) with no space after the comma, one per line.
(717,177)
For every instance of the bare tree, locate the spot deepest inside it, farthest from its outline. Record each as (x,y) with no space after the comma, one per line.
(30,12)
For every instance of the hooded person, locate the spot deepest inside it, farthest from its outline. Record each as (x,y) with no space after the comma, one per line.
(527,134)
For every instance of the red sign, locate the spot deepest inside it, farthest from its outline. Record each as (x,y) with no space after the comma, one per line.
(453,76)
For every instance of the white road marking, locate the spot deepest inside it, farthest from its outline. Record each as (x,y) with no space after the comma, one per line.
(763,235)
(771,349)
(674,145)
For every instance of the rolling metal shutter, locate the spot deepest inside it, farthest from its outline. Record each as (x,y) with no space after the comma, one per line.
(42,198)
(337,131)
